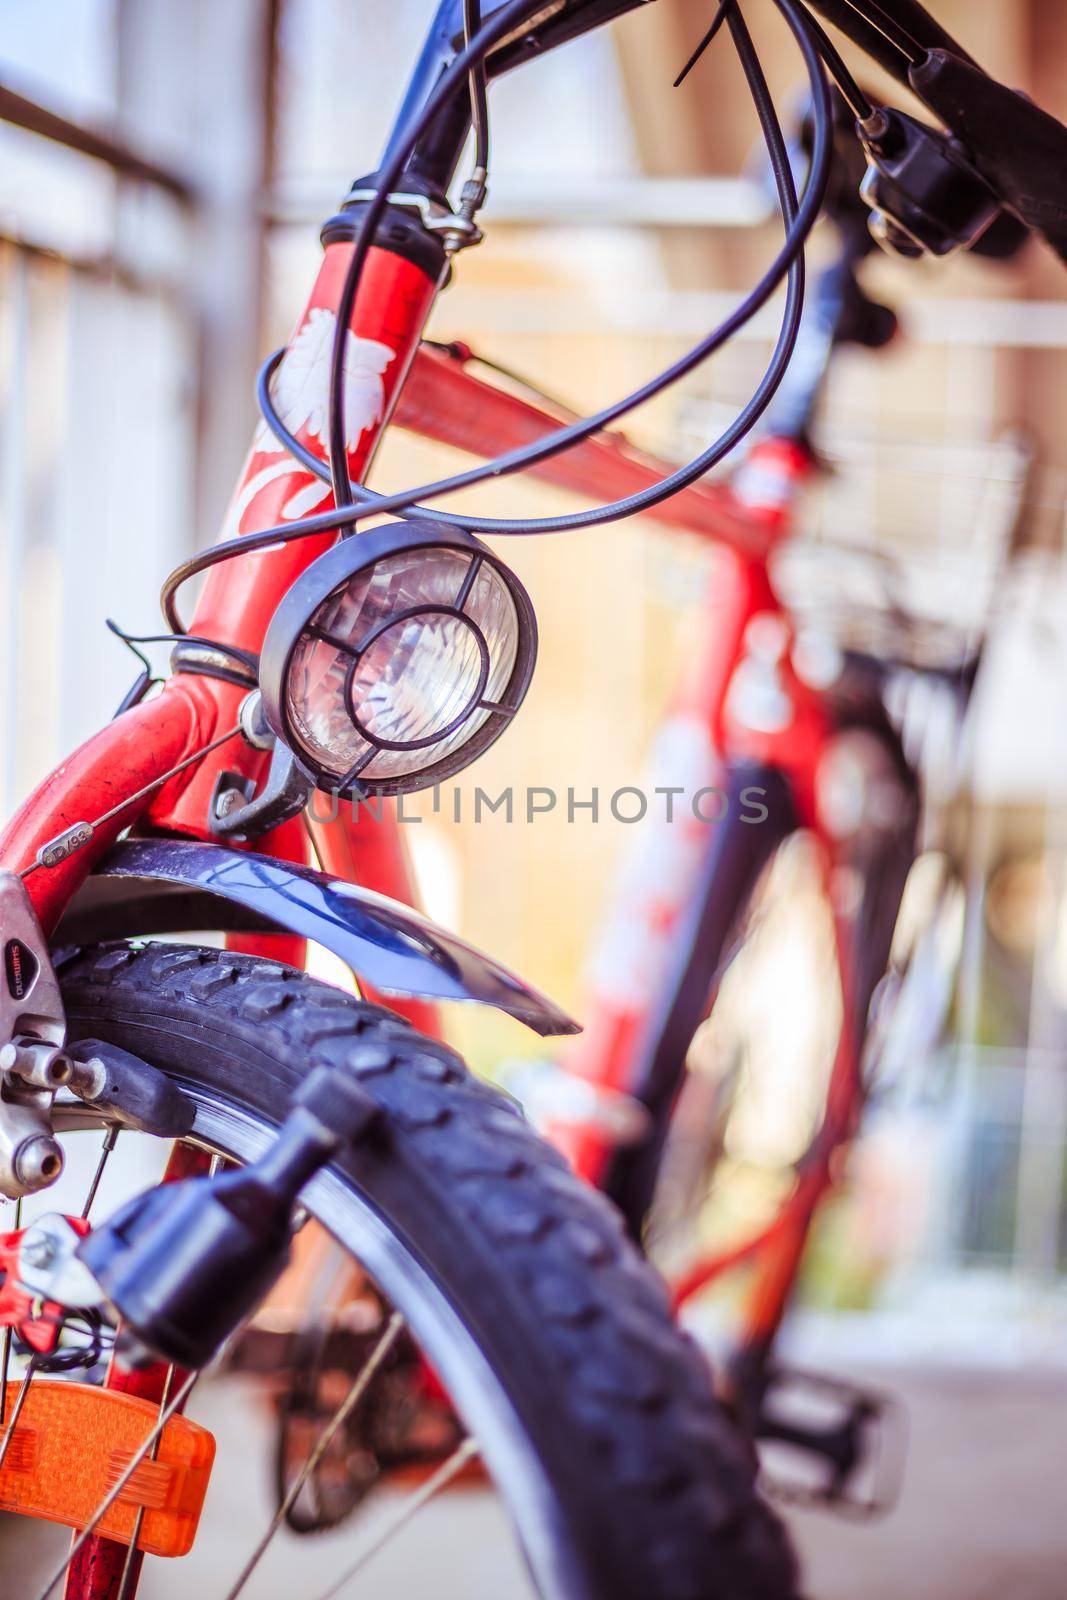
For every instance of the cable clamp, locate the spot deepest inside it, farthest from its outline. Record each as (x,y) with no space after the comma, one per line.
(458,231)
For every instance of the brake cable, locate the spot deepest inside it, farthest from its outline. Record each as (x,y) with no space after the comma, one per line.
(799,221)
(78,834)
(356,500)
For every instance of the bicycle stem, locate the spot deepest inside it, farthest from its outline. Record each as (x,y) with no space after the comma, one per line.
(434,158)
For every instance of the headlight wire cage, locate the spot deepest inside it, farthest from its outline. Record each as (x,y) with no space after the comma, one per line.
(397,658)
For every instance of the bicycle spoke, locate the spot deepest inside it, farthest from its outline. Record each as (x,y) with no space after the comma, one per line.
(5,1366)
(414,1503)
(120,1483)
(110,1139)
(9,1333)
(359,1388)
(138,1521)
(16,1411)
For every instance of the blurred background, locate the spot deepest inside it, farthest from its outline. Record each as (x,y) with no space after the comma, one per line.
(163,171)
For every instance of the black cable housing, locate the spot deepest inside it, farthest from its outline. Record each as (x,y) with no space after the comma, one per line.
(355,500)
(246,659)
(851,93)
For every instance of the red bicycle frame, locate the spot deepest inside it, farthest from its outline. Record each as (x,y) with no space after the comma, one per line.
(237,602)
(156,768)
(746,519)
(707,737)
(444,401)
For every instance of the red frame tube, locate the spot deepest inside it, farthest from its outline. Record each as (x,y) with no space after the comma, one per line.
(445,401)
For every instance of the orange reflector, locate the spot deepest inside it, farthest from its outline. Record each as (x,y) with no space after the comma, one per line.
(73,1442)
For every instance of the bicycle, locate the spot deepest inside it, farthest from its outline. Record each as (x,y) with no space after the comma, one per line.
(350,666)
(660,961)
(780,902)
(622,1102)
(771,738)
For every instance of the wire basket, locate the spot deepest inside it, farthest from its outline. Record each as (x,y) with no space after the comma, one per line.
(903,543)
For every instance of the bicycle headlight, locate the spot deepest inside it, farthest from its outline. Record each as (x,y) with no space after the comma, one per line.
(397,658)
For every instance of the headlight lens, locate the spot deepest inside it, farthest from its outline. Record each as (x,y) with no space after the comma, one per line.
(406,668)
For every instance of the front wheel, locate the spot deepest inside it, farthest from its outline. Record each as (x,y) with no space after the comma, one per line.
(592,1412)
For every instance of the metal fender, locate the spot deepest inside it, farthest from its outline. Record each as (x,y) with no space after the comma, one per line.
(152,886)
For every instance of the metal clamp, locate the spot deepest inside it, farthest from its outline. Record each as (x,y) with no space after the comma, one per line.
(48,1267)
(41,1279)
(238,812)
(457,231)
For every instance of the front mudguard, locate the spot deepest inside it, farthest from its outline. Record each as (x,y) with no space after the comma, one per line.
(155,886)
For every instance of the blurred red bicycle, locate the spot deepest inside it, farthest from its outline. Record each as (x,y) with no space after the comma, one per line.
(377,664)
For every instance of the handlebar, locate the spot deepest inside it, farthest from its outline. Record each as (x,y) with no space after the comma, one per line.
(434,158)
(1001,149)
(1020,150)
(1015,149)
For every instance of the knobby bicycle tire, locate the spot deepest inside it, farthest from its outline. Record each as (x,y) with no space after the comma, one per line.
(595,1414)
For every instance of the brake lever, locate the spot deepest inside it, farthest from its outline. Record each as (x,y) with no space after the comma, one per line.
(924,194)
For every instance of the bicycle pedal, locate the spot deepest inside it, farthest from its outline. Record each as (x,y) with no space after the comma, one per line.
(825,1442)
(71,1444)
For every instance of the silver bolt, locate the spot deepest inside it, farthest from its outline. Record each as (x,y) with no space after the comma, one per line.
(36,1063)
(38,1162)
(60,1071)
(228,801)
